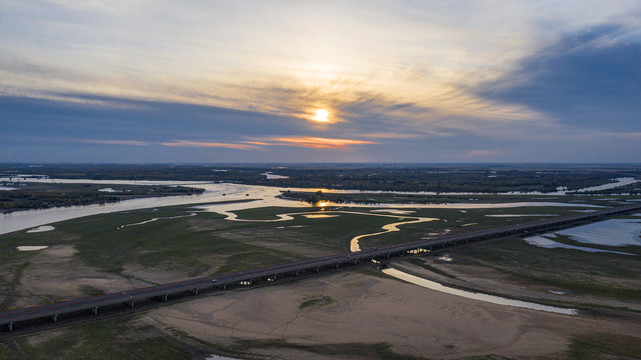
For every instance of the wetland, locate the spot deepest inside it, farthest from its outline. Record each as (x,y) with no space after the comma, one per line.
(98,249)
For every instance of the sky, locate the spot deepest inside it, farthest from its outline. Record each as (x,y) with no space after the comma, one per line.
(196,81)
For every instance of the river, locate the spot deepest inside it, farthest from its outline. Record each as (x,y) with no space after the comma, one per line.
(262,196)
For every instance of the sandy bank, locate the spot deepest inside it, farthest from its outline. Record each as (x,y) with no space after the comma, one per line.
(368,309)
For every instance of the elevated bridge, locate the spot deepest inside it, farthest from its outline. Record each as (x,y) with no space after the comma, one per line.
(271,273)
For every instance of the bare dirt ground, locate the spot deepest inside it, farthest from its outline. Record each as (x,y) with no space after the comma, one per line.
(56,270)
(369,309)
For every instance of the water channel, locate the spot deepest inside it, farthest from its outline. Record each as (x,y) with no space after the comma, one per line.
(474,295)
(263,196)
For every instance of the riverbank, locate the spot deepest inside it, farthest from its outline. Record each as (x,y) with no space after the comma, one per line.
(373,317)
(434,178)
(322,318)
(38,195)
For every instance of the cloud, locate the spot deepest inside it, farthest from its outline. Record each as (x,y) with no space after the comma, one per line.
(411,76)
(481,153)
(392,135)
(587,80)
(297,141)
(319,143)
(189,143)
(340,57)
(116,142)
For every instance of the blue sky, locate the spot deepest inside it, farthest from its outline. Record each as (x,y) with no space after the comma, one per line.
(243,81)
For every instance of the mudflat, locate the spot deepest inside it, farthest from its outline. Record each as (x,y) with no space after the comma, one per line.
(362,309)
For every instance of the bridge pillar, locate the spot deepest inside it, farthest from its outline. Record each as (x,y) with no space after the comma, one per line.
(164,297)
(95,310)
(55,318)
(131,304)
(10,326)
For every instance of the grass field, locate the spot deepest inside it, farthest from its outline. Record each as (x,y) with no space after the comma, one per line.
(126,341)
(604,346)
(206,243)
(578,272)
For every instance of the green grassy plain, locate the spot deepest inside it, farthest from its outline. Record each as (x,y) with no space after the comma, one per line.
(579,272)
(604,346)
(202,243)
(206,243)
(109,339)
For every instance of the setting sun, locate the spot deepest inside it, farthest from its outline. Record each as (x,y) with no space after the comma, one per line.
(321,115)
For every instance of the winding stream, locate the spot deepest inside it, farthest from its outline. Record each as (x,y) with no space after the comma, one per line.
(264,196)
(476,296)
(355,246)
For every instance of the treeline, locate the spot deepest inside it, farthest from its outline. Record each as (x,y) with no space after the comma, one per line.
(410,178)
(140,172)
(315,198)
(631,189)
(442,180)
(44,196)
(26,200)
(323,198)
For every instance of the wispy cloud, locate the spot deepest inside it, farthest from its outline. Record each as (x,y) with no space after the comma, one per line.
(467,75)
(115,142)
(319,143)
(392,135)
(298,141)
(585,79)
(189,143)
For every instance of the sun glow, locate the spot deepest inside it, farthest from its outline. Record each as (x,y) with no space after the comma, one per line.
(321,115)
